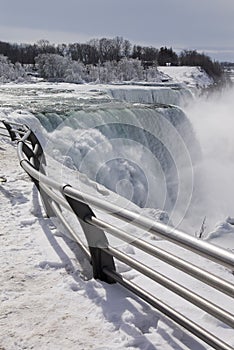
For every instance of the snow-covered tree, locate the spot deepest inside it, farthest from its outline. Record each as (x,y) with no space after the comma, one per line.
(130,69)
(75,73)
(52,66)
(108,72)
(152,74)
(56,67)
(9,71)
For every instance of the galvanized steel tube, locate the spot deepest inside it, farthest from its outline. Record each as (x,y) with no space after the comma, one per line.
(177,317)
(206,249)
(69,229)
(183,292)
(204,276)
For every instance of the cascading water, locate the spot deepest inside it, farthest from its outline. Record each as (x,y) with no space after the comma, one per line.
(173,94)
(138,151)
(144,152)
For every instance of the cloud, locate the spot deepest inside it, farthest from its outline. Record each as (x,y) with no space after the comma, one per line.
(178,23)
(32,35)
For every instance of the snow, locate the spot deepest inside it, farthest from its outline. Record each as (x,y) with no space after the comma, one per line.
(193,77)
(49,299)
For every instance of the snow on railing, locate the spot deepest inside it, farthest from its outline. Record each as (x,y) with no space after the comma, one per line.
(100,253)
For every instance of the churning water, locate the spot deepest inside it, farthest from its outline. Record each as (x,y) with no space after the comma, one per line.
(136,141)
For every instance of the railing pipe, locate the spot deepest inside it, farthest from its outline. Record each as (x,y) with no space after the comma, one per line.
(5,135)
(20,132)
(217,254)
(174,315)
(14,123)
(194,271)
(39,176)
(183,292)
(71,232)
(60,200)
(212,252)
(26,135)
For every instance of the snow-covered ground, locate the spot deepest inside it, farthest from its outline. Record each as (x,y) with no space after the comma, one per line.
(193,77)
(49,299)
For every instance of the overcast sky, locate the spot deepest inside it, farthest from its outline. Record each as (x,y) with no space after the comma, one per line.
(206,25)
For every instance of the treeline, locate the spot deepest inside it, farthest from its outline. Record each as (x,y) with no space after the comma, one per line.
(54,67)
(99,51)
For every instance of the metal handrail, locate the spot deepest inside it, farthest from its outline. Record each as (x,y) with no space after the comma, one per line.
(174,315)
(56,195)
(70,231)
(185,293)
(197,272)
(205,249)
(210,251)
(5,135)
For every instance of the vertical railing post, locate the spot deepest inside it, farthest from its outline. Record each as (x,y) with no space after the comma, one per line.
(36,156)
(12,134)
(96,240)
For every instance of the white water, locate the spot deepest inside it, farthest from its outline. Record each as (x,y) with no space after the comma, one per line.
(175,94)
(145,152)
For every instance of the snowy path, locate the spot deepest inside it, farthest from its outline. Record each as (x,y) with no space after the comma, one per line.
(45,301)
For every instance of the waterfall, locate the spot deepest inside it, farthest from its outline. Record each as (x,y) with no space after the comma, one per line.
(174,95)
(144,149)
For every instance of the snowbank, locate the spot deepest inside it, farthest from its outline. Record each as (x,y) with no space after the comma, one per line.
(193,77)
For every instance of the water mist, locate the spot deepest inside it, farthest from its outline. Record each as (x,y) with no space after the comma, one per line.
(213,122)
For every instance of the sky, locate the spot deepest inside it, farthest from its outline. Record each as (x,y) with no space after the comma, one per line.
(204,25)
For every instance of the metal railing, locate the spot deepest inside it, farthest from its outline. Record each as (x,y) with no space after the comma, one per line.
(56,196)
